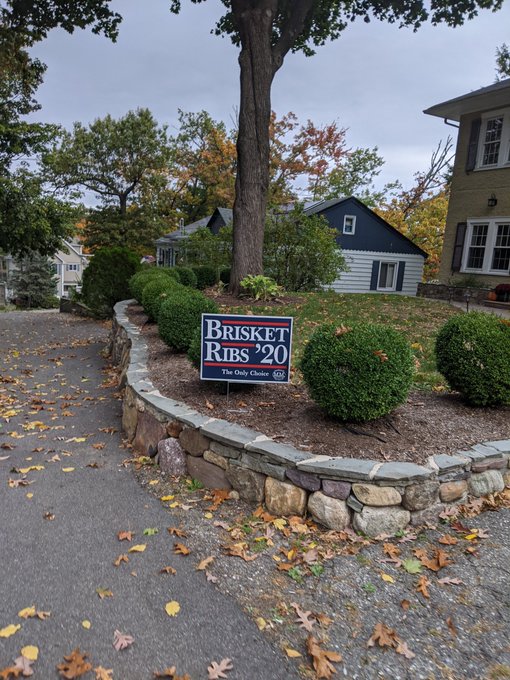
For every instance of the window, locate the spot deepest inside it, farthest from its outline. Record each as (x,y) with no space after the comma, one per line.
(72,267)
(494,142)
(387,271)
(487,248)
(349,224)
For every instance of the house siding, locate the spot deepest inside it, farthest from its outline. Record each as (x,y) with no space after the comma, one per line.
(358,278)
(469,194)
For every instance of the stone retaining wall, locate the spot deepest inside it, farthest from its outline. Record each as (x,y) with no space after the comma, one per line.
(370,496)
(441,291)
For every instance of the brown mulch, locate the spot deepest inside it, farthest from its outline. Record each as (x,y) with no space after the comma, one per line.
(427,424)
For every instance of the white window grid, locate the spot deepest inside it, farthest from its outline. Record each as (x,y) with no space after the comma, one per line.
(488,244)
(494,141)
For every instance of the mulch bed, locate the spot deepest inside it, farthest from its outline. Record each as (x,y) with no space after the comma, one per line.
(427,424)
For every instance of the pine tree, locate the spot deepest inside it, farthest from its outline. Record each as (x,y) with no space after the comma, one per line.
(34,282)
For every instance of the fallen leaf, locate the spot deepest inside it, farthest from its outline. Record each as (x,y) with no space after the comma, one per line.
(217,670)
(181,549)
(167,498)
(210,406)
(412,566)
(383,636)
(387,578)
(172,608)
(171,674)
(49,516)
(75,665)
(292,653)
(451,627)
(121,640)
(125,535)
(204,563)
(137,548)
(303,617)
(30,652)
(174,531)
(24,665)
(261,623)
(321,658)
(9,630)
(103,592)
(27,613)
(120,559)
(167,570)
(150,531)
(86,624)
(68,469)
(405,604)
(447,581)
(402,648)
(103,673)
(98,446)
(448,540)
(210,577)
(422,586)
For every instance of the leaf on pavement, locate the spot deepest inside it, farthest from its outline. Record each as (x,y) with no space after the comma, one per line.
(422,586)
(403,649)
(168,570)
(210,577)
(30,652)
(448,540)
(174,531)
(303,618)
(321,658)
(75,665)
(181,549)
(202,566)
(171,674)
(292,653)
(9,630)
(103,673)
(24,665)
(103,592)
(217,670)
(172,608)
(447,581)
(125,535)
(150,531)
(122,640)
(120,559)
(412,566)
(137,548)
(239,550)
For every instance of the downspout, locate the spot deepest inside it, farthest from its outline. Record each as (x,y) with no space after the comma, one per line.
(445,121)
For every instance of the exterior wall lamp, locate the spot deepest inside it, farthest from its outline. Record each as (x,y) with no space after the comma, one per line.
(492,201)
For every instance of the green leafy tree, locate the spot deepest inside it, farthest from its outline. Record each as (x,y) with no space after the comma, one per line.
(204,248)
(502,62)
(301,252)
(106,278)
(124,163)
(34,281)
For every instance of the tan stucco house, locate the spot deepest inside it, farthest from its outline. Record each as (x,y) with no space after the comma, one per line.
(477,237)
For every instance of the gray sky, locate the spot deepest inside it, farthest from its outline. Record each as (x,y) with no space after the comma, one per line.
(375,80)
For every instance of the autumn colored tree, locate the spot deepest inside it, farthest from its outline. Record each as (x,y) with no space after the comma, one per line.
(420,211)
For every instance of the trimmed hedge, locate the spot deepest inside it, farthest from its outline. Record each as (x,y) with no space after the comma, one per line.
(153,292)
(106,278)
(180,315)
(358,373)
(473,354)
(138,282)
(195,348)
(206,276)
(186,276)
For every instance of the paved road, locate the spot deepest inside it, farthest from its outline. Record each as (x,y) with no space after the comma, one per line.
(57,564)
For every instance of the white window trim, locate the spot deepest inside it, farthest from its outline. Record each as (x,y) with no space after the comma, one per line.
(395,276)
(504,150)
(489,246)
(353,218)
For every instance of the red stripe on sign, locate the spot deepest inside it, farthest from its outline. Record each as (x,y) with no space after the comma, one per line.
(254,323)
(219,363)
(238,344)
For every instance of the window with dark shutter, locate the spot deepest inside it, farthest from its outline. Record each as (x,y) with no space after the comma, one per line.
(473,144)
(458,247)
(375,274)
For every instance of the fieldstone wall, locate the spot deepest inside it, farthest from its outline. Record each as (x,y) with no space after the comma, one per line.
(372,497)
(441,291)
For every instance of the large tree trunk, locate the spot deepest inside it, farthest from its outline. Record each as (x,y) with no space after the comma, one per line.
(252,179)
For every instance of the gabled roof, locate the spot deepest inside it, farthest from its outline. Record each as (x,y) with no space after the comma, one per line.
(319,206)
(188,229)
(226,214)
(493,96)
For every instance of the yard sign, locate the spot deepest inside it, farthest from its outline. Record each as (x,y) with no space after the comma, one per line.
(254,349)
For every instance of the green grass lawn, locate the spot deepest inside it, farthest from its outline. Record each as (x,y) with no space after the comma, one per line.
(419,319)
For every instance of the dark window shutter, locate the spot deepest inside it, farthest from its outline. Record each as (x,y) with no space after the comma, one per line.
(400,275)
(473,144)
(458,247)
(375,274)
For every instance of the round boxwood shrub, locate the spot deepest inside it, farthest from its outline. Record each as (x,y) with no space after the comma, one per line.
(195,348)
(358,373)
(152,294)
(106,278)
(180,315)
(187,276)
(138,282)
(473,354)
(206,276)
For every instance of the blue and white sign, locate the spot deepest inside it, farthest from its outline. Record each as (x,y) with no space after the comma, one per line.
(255,349)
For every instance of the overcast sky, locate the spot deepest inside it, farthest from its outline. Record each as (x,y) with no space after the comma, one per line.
(375,80)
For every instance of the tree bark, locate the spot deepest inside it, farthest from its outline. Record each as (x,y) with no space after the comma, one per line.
(252,178)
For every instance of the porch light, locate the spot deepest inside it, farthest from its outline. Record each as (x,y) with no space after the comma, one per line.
(492,201)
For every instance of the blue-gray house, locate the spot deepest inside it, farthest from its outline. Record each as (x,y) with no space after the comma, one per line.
(380,258)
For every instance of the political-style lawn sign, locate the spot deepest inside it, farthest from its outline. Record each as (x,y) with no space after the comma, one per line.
(250,349)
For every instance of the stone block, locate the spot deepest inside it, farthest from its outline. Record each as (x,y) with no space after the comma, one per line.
(419,497)
(129,414)
(211,476)
(281,454)
(452,491)
(254,461)
(225,451)
(173,428)
(284,499)
(331,512)
(193,441)
(379,496)
(447,463)
(454,476)
(149,432)
(428,515)
(343,468)
(376,521)
(249,484)
(229,433)
(171,457)
(501,445)
(354,503)
(486,450)
(216,459)
(506,479)
(340,490)
(401,472)
(306,480)
(484,483)
(500,464)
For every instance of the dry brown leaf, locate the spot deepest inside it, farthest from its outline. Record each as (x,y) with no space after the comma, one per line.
(403,649)
(10,672)
(210,406)
(171,674)
(103,673)
(451,626)
(303,617)
(422,586)
(75,665)
(121,640)
(405,604)
(447,581)
(323,619)
(167,570)
(210,577)
(202,566)
(442,557)
(321,658)
(383,636)
(217,670)
(125,535)
(181,549)
(219,496)
(103,592)
(391,550)
(98,446)
(174,531)
(448,540)
(120,559)
(239,550)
